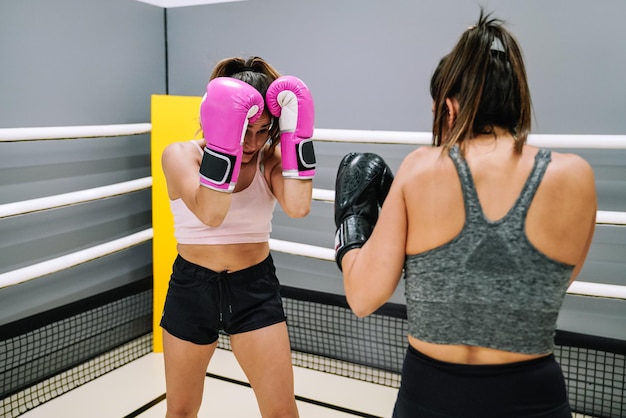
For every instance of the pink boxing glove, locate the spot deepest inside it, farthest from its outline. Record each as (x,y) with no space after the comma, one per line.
(290,100)
(225,111)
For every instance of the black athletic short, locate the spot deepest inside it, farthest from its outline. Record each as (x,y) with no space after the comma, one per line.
(436,389)
(201,302)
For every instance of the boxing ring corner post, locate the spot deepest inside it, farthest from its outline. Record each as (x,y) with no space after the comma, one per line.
(173,120)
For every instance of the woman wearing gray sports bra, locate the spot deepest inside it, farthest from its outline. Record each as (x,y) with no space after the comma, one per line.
(488,233)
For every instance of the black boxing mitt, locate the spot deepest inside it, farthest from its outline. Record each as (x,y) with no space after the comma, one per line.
(362,184)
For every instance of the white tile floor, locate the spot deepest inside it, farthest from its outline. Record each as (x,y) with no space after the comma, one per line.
(127,389)
(137,385)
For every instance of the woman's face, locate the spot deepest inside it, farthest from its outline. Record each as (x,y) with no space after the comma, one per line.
(256,136)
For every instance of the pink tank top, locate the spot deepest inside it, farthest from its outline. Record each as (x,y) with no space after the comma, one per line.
(249,219)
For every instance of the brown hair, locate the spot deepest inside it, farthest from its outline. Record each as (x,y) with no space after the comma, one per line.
(259,74)
(485,72)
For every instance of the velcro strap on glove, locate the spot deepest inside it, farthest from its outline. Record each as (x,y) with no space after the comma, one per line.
(305,157)
(216,170)
(353,232)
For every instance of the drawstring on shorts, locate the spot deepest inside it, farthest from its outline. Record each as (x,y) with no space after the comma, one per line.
(223,292)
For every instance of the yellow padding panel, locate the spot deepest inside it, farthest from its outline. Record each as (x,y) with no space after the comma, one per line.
(174,119)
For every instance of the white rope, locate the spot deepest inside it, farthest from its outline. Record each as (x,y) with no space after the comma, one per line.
(322,135)
(375,137)
(576,288)
(324,195)
(71,132)
(425,138)
(304,250)
(82,196)
(602,216)
(602,290)
(65,199)
(610,217)
(70,260)
(578,141)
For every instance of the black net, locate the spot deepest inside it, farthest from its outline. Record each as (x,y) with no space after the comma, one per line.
(326,336)
(47,360)
(47,355)
(370,349)
(594,372)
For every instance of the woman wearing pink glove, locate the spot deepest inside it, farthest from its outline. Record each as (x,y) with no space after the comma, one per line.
(222,191)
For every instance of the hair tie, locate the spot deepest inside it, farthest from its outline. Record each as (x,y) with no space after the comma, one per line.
(497,45)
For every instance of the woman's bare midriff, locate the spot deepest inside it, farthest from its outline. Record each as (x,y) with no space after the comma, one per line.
(230,257)
(465,354)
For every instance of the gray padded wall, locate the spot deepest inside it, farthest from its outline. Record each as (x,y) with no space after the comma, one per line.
(75,62)
(368,64)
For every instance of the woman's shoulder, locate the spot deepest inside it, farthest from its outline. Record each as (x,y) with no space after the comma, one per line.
(194,145)
(183,148)
(181,152)
(424,159)
(570,161)
(569,168)
(569,181)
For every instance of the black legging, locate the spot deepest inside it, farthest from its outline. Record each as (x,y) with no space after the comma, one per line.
(435,389)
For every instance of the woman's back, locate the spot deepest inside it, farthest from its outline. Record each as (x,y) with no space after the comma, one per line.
(518,318)
(560,211)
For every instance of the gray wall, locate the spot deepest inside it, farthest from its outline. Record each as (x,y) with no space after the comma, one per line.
(76,62)
(79,62)
(368,63)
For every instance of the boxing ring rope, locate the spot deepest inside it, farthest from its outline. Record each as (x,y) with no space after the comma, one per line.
(70,260)
(73,132)
(323,135)
(605,217)
(73,198)
(425,138)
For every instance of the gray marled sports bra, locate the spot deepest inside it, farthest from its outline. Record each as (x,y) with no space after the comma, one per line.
(489,286)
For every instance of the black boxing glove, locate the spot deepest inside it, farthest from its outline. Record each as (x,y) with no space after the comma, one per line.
(362,184)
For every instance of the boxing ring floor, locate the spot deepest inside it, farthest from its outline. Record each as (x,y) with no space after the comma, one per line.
(138,390)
